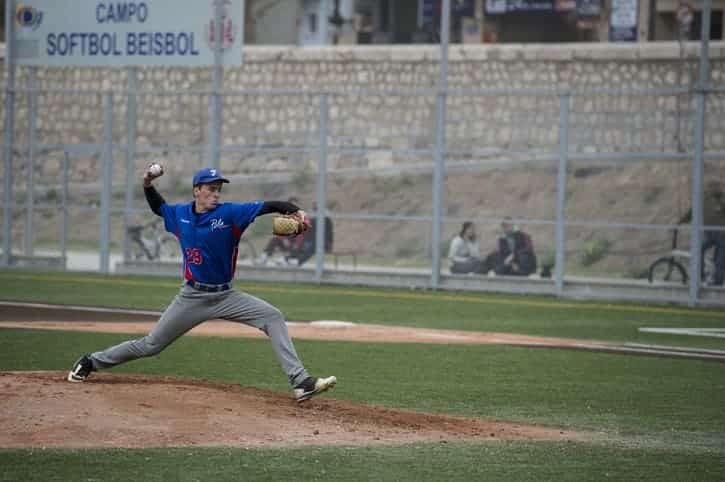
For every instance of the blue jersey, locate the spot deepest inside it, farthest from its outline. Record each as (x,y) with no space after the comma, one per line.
(209,241)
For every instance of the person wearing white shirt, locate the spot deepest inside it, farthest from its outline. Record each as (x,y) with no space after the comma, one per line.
(464,253)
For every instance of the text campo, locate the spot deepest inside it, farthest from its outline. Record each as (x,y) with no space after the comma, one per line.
(121,12)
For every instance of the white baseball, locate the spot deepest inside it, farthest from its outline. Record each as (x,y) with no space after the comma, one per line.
(155,169)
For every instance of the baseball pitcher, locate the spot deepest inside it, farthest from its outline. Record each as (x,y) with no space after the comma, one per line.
(208,231)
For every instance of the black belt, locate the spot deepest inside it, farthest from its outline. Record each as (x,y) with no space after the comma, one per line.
(209,288)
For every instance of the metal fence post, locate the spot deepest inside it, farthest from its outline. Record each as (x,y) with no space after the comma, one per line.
(564,101)
(324,12)
(106,168)
(242,30)
(698,168)
(130,159)
(439,167)
(29,185)
(64,209)
(217,83)
(697,221)
(9,130)
(321,189)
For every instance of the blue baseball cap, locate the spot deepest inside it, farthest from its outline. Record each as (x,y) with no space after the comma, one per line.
(207,175)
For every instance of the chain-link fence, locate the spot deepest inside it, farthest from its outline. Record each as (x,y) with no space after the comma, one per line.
(598,177)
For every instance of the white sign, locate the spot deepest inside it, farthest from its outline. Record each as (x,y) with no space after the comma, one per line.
(624,14)
(623,20)
(496,6)
(151,32)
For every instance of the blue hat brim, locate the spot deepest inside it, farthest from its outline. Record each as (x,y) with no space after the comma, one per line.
(214,179)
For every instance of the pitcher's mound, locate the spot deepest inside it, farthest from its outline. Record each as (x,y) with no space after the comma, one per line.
(42,409)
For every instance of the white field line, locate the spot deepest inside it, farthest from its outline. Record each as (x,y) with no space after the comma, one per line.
(662,351)
(80,308)
(710,332)
(680,349)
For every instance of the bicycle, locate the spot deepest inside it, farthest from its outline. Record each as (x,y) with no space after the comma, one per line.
(674,268)
(151,243)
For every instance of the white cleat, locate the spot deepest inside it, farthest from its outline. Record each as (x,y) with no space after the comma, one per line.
(313,386)
(81,370)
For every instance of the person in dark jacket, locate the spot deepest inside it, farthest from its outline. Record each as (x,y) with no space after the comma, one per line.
(282,244)
(304,247)
(516,254)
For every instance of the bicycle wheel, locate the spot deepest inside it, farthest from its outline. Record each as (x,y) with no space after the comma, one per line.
(667,270)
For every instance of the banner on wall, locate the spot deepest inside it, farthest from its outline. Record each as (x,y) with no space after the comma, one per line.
(464,8)
(145,33)
(623,21)
(588,8)
(431,9)
(500,7)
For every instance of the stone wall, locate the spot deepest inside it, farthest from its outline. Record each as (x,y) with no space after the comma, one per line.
(382,109)
(383,105)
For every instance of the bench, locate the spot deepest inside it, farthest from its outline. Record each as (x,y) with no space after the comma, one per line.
(339,253)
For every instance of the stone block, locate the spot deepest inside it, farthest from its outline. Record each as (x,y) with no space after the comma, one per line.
(279,165)
(610,52)
(555,52)
(509,52)
(407,54)
(466,53)
(659,51)
(380,159)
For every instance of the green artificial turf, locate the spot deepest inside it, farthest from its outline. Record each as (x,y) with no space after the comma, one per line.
(649,418)
(580,390)
(463,311)
(505,461)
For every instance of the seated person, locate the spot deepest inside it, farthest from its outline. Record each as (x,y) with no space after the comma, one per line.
(515,251)
(281,244)
(304,245)
(464,252)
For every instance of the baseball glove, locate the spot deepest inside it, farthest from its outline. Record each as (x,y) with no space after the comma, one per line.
(290,225)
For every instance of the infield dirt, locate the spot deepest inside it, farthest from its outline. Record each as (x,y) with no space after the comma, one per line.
(42,409)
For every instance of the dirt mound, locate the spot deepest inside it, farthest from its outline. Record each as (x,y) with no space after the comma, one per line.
(41,409)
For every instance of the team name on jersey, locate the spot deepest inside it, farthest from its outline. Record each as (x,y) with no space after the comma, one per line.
(218,224)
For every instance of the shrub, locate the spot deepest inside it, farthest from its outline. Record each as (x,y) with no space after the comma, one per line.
(594,251)
(548,258)
(52,195)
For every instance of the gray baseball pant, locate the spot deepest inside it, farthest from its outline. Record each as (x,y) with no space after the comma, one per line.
(192,307)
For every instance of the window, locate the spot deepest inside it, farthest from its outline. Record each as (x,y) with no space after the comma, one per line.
(384,16)
(312,22)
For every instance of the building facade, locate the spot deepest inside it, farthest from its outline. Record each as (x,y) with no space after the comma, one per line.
(350,22)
